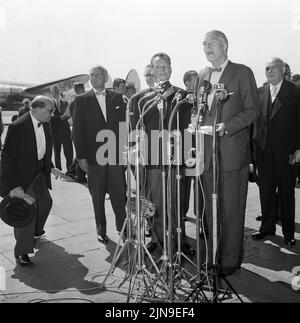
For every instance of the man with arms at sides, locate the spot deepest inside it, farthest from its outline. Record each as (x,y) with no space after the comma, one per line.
(162,70)
(97,112)
(26,167)
(277,149)
(60,130)
(235,115)
(75,171)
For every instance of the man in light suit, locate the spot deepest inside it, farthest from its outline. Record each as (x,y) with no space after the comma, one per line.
(97,112)
(277,149)
(26,167)
(235,113)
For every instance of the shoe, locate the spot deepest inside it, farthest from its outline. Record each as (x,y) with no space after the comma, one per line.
(103,239)
(187,249)
(258,218)
(289,242)
(39,235)
(259,235)
(151,246)
(24,261)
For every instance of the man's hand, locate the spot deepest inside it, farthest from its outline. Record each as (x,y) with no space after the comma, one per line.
(17,192)
(295,158)
(220,129)
(57,173)
(83,164)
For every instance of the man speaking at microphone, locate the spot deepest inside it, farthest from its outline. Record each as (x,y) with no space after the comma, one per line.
(234,96)
(162,70)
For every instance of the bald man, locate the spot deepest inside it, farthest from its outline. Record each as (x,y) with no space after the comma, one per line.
(277,149)
(98,113)
(26,167)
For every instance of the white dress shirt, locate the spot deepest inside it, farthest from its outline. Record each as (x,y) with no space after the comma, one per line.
(40,137)
(101,97)
(274,89)
(214,79)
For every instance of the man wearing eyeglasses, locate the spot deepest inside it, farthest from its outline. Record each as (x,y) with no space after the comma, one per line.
(26,167)
(277,150)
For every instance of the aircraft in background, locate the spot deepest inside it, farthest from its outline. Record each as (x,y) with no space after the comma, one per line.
(13,93)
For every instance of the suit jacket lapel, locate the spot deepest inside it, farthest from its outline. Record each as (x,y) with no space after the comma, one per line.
(265,100)
(279,99)
(226,75)
(95,104)
(31,135)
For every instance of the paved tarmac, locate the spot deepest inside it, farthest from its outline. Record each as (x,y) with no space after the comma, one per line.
(70,265)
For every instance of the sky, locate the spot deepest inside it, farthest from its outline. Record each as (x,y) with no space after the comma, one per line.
(45,40)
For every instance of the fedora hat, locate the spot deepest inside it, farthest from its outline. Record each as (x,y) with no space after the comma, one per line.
(16,212)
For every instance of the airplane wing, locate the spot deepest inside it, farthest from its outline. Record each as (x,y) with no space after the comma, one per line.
(64,85)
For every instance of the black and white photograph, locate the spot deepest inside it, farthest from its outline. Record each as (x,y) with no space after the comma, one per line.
(150,154)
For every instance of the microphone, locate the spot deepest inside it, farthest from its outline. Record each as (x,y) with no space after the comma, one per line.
(221,93)
(205,88)
(180,94)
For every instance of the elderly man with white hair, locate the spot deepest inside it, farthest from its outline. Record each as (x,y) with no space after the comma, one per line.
(277,149)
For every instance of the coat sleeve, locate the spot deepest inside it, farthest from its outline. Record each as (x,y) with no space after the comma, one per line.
(79,128)
(9,159)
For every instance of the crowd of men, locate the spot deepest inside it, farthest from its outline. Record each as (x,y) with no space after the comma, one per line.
(232,106)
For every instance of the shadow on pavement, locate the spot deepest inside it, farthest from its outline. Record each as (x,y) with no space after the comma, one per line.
(54,270)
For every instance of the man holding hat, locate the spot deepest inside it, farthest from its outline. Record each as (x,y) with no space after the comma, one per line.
(26,167)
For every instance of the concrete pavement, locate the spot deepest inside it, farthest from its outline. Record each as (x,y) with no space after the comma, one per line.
(70,263)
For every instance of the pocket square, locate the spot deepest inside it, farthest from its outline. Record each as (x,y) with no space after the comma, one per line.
(117,108)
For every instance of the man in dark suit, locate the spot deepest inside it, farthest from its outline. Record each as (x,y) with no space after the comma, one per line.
(234,115)
(155,165)
(26,167)
(97,116)
(60,130)
(25,108)
(75,171)
(277,149)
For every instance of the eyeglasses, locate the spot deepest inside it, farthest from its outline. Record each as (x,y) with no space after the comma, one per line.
(149,75)
(271,68)
(50,111)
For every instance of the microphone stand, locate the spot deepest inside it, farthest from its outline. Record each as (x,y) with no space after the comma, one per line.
(127,226)
(195,293)
(150,281)
(179,272)
(217,278)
